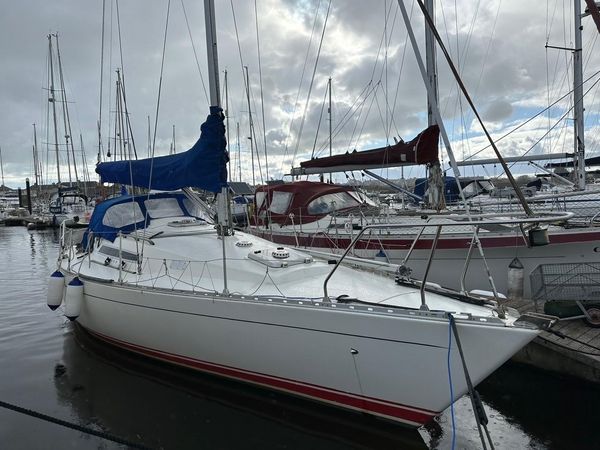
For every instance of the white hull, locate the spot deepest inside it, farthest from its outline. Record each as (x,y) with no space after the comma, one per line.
(362,344)
(399,371)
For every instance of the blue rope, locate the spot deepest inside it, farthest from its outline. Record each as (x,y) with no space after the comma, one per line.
(450,319)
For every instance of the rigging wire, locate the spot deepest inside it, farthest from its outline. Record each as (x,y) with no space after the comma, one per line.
(311,82)
(591,148)
(127,121)
(155,121)
(449,369)
(187,24)
(383,44)
(456,75)
(162,64)
(560,120)
(47,122)
(244,68)
(360,113)
(549,140)
(364,122)
(521,125)
(319,125)
(255,139)
(289,133)
(352,109)
(385,66)
(66,119)
(556,85)
(401,70)
(372,91)
(388,111)
(262,100)
(466,48)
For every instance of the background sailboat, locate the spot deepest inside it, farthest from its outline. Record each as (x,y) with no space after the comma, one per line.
(335,227)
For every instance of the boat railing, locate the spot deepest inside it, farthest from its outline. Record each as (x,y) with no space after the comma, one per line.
(68,240)
(136,268)
(583,204)
(537,236)
(184,275)
(594,218)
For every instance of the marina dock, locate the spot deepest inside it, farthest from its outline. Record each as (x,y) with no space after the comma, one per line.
(572,347)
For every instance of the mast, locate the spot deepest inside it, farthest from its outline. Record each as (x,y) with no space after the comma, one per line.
(119,125)
(227,123)
(86,174)
(431,98)
(211,53)
(215,102)
(578,125)
(66,118)
(173,151)
(36,161)
(237,124)
(465,93)
(52,100)
(250,124)
(100,151)
(330,133)
(431,65)
(1,167)
(149,138)
(436,197)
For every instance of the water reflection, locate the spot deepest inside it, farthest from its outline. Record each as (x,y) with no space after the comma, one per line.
(48,367)
(160,406)
(560,412)
(40,243)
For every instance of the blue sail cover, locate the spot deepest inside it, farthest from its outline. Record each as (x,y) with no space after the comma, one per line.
(204,166)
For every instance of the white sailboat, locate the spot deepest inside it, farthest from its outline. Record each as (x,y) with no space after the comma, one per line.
(154,276)
(289,216)
(68,203)
(565,190)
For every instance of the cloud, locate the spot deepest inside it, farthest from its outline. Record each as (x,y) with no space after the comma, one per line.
(498,111)
(378,93)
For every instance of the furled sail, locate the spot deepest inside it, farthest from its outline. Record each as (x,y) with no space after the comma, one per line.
(423,149)
(204,166)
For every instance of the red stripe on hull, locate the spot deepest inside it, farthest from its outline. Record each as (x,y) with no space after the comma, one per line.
(394,411)
(377,242)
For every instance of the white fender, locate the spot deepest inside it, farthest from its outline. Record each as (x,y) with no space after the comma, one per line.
(516,279)
(56,289)
(73,298)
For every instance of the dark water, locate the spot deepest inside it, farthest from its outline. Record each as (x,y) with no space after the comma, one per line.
(48,365)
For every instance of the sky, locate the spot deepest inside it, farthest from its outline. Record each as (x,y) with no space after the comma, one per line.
(377,91)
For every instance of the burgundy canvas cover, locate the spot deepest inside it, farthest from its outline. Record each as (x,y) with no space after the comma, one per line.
(423,149)
(303,193)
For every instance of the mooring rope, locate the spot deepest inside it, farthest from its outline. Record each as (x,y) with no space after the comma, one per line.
(449,366)
(73,426)
(564,336)
(478,410)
